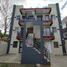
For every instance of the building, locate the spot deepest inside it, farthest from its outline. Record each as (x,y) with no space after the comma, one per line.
(64,24)
(36,34)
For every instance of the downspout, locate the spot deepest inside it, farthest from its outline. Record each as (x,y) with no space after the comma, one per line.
(61,30)
(10,31)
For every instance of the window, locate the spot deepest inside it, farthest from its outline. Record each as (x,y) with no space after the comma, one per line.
(46,31)
(23,17)
(46,17)
(53,17)
(54,29)
(39,17)
(56,45)
(18,17)
(65,35)
(15,44)
(16,29)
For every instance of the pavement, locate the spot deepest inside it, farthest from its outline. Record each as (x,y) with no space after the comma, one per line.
(59,61)
(10,58)
(56,61)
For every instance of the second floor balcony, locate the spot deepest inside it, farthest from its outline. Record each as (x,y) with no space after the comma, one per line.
(46,20)
(48,35)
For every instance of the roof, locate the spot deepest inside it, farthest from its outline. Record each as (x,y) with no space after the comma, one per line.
(36,10)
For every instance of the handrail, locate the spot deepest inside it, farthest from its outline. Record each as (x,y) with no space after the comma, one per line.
(47,53)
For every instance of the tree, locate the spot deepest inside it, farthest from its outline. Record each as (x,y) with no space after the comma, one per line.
(5,10)
(6,7)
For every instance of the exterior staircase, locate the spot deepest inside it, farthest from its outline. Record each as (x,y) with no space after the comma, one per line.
(32,55)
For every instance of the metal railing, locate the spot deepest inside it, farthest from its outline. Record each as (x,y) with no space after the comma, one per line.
(46,53)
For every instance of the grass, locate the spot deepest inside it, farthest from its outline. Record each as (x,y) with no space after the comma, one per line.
(21,65)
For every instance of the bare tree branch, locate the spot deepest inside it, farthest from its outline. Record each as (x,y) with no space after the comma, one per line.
(6,7)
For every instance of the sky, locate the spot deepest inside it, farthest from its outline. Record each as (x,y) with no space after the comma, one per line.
(43,3)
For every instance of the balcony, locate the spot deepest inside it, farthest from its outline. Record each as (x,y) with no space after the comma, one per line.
(21,23)
(47,22)
(48,34)
(49,37)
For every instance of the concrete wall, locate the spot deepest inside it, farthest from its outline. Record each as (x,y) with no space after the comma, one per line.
(3,47)
(55,51)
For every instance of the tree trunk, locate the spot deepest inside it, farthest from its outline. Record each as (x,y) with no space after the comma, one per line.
(5,28)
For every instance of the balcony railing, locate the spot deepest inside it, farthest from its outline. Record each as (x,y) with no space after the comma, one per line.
(48,37)
(47,54)
(21,23)
(47,22)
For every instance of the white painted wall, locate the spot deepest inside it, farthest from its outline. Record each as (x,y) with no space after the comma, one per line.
(66,45)
(55,51)
(37,31)
(3,47)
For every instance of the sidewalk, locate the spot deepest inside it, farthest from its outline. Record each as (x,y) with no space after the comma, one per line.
(59,61)
(10,58)
(56,61)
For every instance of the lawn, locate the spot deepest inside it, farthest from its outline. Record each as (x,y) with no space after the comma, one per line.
(21,65)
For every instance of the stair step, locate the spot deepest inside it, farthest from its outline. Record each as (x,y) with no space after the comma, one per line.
(37,50)
(46,59)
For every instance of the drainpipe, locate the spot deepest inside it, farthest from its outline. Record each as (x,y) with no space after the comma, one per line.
(11,27)
(61,30)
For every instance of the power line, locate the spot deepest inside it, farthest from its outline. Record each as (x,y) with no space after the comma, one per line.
(64,5)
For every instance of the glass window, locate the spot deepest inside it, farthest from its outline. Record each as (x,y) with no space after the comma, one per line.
(23,17)
(15,44)
(46,31)
(18,17)
(39,17)
(56,45)
(16,29)
(54,29)
(46,17)
(65,35)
